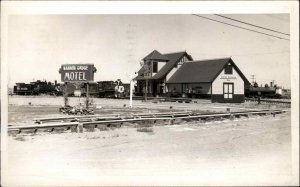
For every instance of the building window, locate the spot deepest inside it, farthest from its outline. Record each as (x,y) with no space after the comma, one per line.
(228,69)
(154,67)
(228,90)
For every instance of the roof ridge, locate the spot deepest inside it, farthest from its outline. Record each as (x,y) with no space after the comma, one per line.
(154,54)
(222,58)
(175,52)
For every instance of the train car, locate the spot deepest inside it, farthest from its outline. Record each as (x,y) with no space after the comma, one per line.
(107,89)
(264,92)
(23,89)
(113,89)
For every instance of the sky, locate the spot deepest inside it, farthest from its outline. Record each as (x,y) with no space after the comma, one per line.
(39,44)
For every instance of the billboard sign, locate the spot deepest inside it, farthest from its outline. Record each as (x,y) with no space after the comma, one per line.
(77,72)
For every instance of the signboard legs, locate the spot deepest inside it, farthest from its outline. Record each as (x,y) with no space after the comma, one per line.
(65,94)
(87,95)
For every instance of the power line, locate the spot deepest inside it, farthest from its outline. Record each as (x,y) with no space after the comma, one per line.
(240,27)
(251,24)
(260,53)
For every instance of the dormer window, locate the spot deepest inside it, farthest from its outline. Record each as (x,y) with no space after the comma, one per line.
(228,69)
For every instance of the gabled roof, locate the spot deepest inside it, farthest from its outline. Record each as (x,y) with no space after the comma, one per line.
(173,59)
(155,55)
(202,71)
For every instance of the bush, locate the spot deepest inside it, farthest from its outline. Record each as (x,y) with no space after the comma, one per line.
(145,129)
(20,138)
(103,128)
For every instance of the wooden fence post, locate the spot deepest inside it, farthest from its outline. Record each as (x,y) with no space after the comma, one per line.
(80,128)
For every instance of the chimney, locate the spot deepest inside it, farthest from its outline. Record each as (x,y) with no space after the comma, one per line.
(271,84)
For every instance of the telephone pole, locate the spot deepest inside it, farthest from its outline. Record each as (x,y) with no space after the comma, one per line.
(253,78)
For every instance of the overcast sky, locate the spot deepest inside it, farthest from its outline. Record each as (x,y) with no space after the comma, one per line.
(39,44)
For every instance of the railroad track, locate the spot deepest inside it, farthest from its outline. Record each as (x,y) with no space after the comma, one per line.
(267,101)
(77,123)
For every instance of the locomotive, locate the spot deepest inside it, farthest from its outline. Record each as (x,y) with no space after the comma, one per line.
(36,88)
(264,92)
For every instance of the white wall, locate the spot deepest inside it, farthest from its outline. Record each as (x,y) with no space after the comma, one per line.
(217,86)
(171,73)
(159,66)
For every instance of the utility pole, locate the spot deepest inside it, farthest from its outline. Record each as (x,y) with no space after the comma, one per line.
(253,78)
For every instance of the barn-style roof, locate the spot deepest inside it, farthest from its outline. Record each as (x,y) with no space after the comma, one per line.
(155,55)
(202,71)
(173,59)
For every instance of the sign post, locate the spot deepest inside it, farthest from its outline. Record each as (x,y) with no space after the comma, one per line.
(87,95)
(77,73)
(66,95)
(131,89)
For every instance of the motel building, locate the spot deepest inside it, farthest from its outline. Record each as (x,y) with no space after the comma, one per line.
(178,75)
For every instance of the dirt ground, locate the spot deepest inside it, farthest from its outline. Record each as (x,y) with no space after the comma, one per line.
(245,151)
(21,112)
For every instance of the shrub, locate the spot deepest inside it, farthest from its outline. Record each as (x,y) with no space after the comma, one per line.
(103,128)
(20,138)
(145,129)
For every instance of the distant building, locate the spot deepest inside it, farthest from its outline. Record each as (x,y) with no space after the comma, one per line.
(177,74)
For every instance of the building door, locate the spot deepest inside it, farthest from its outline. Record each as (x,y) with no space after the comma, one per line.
(228,90)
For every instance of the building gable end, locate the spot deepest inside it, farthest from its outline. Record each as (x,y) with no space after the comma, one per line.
(235,68)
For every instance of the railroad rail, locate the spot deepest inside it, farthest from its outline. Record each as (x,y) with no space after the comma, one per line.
(77,123)
(268,101)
